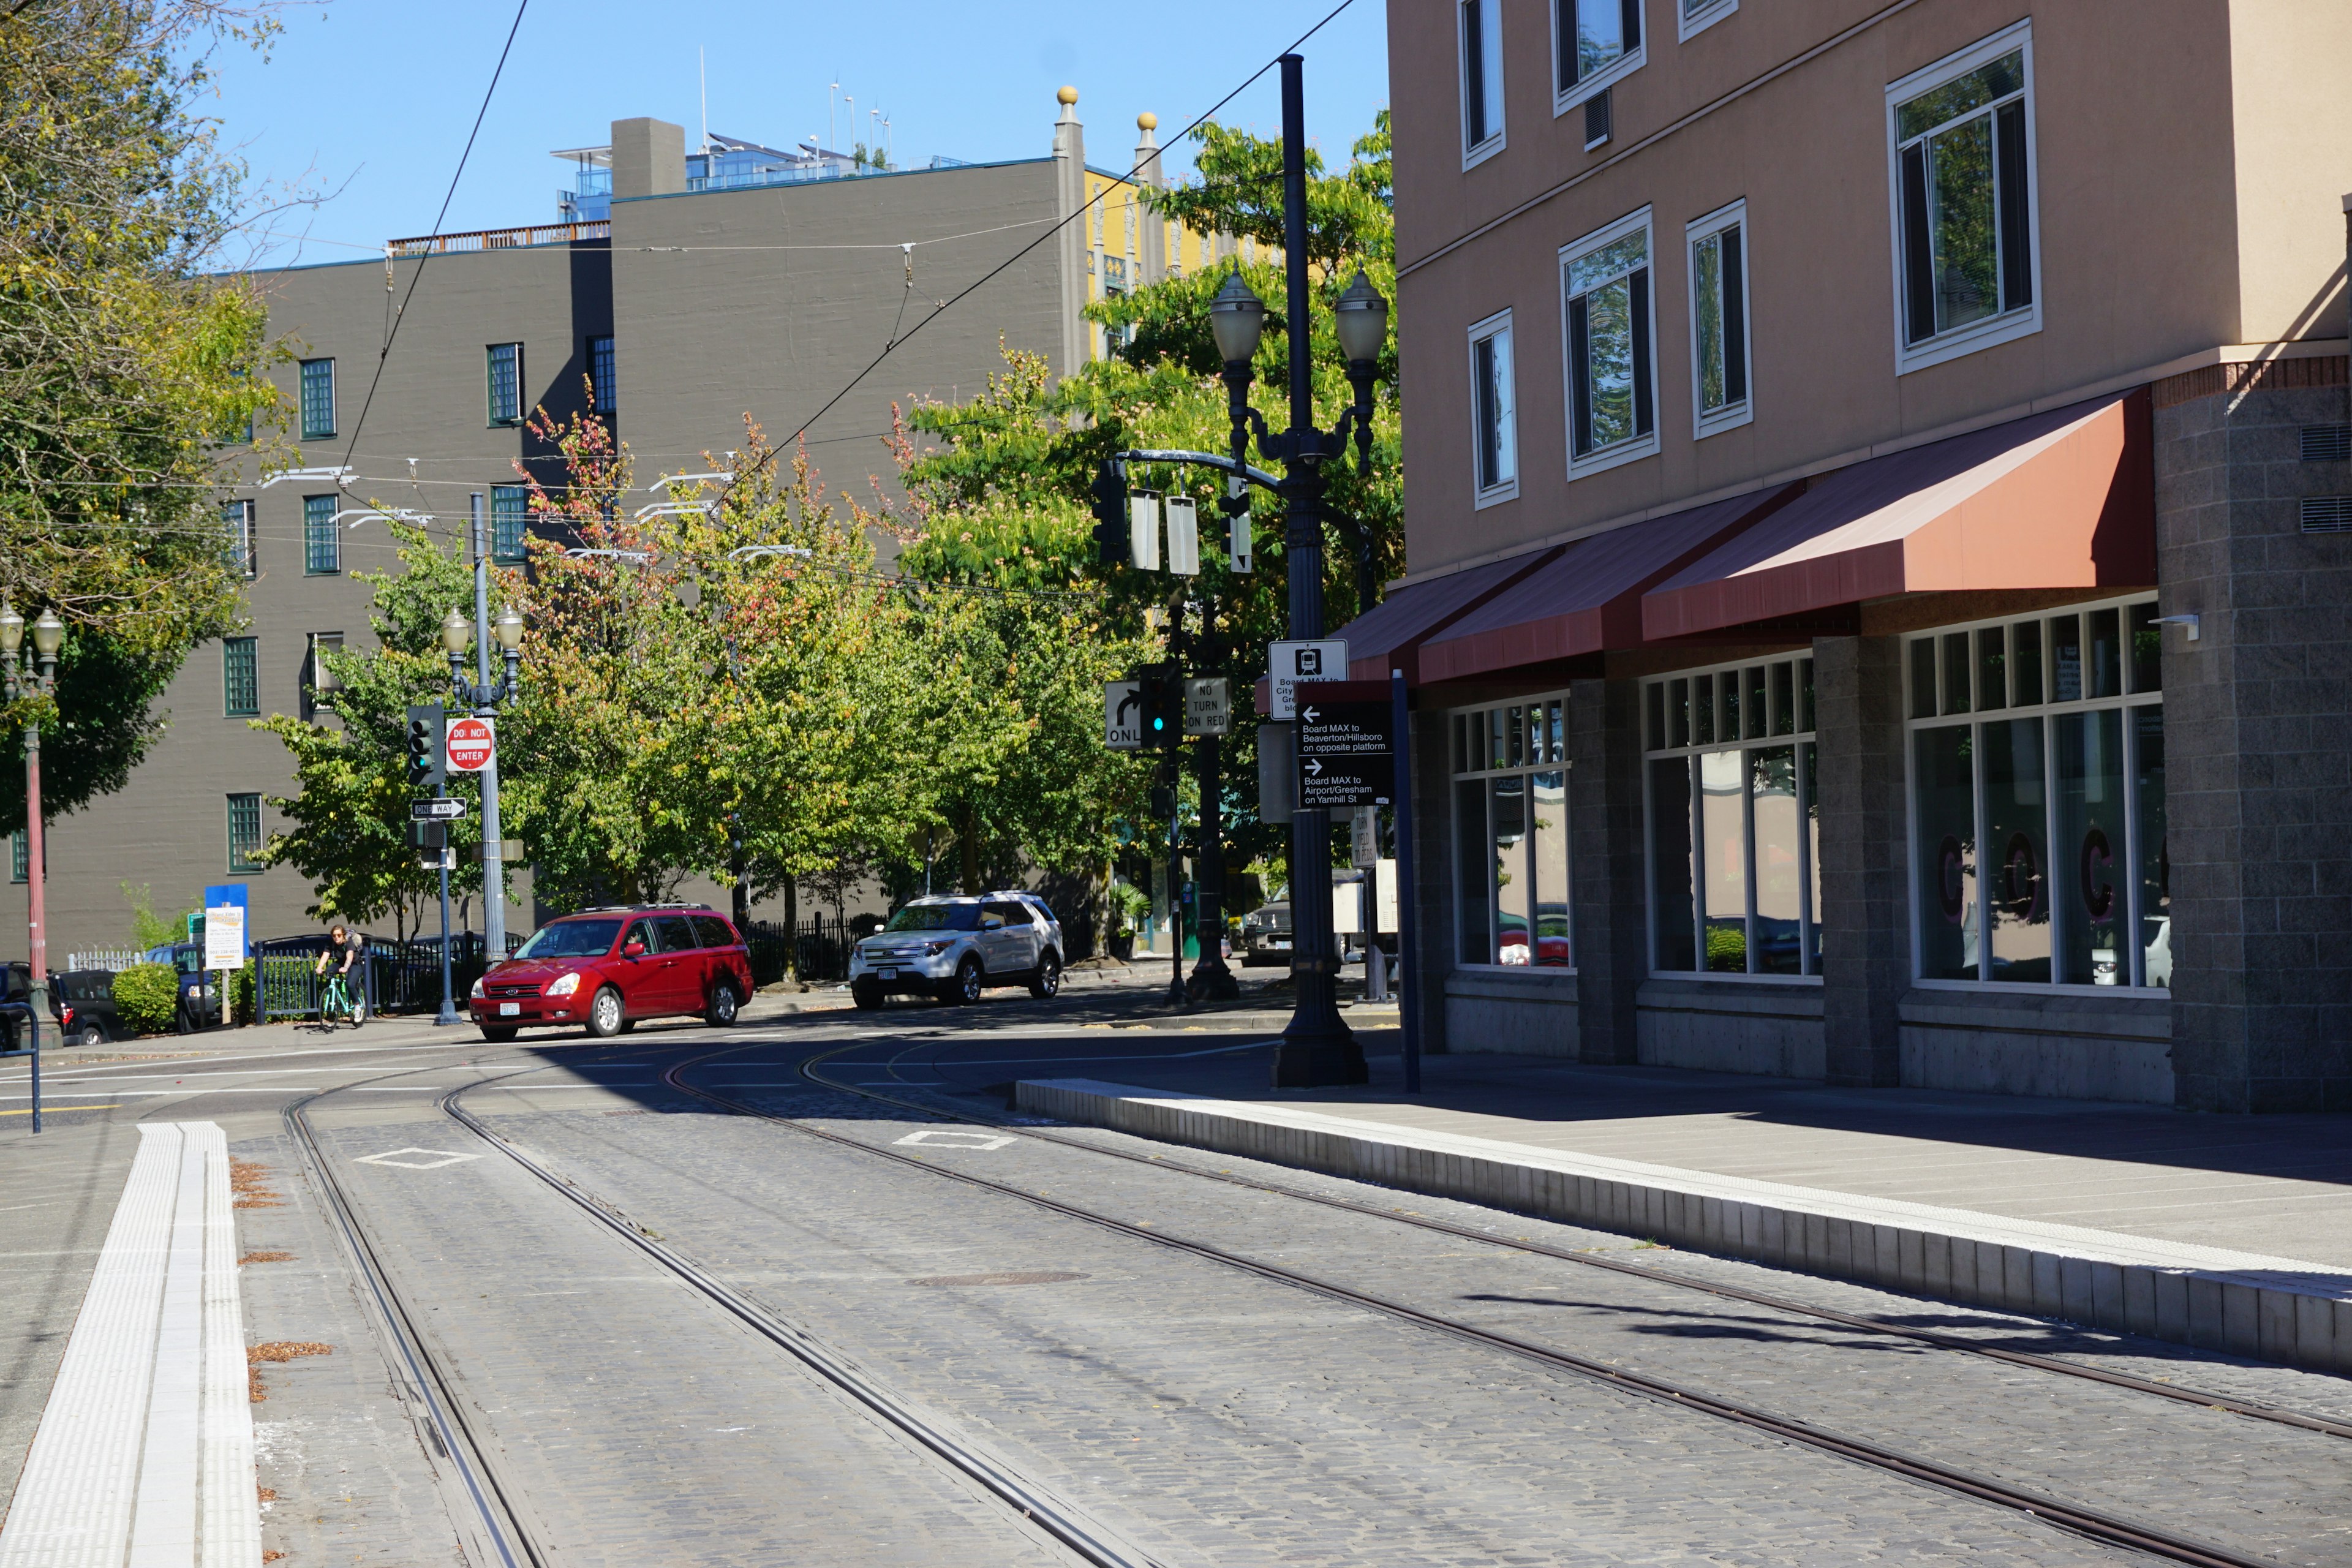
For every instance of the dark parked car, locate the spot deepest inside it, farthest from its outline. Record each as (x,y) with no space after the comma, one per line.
(199,992)
(607,969)
(81,1007)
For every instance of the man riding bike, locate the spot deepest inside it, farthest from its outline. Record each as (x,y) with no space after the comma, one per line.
(336,998)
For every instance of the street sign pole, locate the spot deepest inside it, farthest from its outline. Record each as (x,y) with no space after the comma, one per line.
(494,881)
(1408,927)
(1173,769)
(448,1013)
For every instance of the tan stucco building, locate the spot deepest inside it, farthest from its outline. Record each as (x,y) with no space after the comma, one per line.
(1877,504)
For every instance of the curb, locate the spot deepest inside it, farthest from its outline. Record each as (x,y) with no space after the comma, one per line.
(2266,1309)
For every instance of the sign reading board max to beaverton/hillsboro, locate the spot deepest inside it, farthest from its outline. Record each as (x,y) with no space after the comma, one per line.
(1347,757)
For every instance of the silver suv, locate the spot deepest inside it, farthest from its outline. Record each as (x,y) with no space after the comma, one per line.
(953,948)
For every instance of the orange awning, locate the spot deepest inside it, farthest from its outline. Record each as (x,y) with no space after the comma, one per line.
(2061,500)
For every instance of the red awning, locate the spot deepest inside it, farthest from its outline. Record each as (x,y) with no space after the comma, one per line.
(1589,599)
(2061,500)
(1389,635)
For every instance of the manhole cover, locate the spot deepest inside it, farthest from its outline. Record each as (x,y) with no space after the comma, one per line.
(1018,1277)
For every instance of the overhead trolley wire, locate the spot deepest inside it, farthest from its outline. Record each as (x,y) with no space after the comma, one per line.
(393,332)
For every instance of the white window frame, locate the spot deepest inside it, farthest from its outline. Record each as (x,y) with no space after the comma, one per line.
(2127,885)
(1497,325)
(1640,446)
(1731,416)
(1568,95)
(1993,330)
(1808,915)
(1454,775)
(1691,20)
(1490,19)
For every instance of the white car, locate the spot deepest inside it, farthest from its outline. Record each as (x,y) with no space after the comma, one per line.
(953,948)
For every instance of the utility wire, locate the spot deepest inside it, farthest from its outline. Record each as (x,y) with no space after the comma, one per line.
(446,198)
(985,278)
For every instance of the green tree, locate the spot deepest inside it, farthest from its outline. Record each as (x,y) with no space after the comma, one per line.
(1004,498)
(122,362)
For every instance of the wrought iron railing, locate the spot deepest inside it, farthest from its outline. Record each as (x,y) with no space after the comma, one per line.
(499,239)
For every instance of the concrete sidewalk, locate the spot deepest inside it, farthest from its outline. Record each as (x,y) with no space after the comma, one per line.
(2230,1233)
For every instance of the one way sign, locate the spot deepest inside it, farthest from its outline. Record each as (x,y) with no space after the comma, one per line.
(1347,757)
(1123,715)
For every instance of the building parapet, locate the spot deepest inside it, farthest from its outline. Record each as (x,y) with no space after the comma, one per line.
(499,238)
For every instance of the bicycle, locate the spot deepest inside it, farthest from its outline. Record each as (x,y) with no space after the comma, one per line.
(335,998)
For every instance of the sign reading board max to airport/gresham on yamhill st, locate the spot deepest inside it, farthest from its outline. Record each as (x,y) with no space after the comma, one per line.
(1347,757)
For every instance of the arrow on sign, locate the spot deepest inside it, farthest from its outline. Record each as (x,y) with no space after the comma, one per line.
(1312,715)
(1133,698)
(1312,767)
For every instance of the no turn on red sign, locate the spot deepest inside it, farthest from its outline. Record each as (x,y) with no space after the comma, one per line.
(471,742)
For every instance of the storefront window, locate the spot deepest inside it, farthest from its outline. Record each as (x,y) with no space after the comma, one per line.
(2035,860)
(1734,839)
(1510,823)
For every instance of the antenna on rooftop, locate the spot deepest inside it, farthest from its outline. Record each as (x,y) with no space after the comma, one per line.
(702,85)
(832,133)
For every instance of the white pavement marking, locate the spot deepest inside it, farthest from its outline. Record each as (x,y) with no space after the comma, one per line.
(939,1137)
(433,1160)
(144,1455)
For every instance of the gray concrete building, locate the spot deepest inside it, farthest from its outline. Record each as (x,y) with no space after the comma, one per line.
(1877,505)
(686,289)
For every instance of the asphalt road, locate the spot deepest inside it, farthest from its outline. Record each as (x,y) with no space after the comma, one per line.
(1189,1410)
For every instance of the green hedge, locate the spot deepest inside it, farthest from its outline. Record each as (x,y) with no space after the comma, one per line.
(146,995)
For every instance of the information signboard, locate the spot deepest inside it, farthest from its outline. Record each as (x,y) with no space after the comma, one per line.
(1347,757)
(1289,664)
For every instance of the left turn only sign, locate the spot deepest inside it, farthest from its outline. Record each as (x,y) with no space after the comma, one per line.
(471,743)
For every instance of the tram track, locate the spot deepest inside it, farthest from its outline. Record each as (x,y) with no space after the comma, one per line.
(2110,1528)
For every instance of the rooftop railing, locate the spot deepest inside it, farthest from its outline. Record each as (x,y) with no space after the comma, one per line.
(499,239)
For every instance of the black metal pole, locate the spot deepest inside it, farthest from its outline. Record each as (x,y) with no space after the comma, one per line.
(448,1013)
(1408,952)
(1171,769)
(1316,1047)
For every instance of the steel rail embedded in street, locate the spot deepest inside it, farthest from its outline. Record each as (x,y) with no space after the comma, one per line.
(1033,1505)
(2179,1394)
(2091,1523)
(453,1437)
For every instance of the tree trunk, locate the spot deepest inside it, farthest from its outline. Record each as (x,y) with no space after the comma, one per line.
(970,847)
(791,928)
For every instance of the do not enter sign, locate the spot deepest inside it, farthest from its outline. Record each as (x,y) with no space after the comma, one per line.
(471,742)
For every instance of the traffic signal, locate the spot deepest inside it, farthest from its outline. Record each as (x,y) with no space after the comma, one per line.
(1162,688)
(431,842)
(426,766)
(1113,545)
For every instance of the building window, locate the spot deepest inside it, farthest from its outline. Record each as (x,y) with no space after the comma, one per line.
(1481,28)
(1604,281)
(1693,18)
(244,832)
(237,520)
(509,509)
(1594,42)
(2037,800)
(1735,825)
(1494,411)
(1718,269)
(240,678)
(317,678)
(322,544)
(506,383)
(20,857)
(1962,146)
(1510,826)
(318,398)
(603,385)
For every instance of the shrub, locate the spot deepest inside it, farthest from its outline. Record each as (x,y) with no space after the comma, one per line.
(147,996)
(240,995)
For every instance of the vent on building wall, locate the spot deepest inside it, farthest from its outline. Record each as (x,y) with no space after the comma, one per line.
(2327,514)
(2326,443)
(1596,120)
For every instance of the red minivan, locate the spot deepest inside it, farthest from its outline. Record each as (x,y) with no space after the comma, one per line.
(604,970)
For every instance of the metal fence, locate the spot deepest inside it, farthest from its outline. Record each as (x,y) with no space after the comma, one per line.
(113,959)
(819,946)
(398,976)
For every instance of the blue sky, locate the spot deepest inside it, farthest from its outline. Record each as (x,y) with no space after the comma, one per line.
(372,100)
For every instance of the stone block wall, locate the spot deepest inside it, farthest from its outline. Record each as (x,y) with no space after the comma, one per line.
(2258,738)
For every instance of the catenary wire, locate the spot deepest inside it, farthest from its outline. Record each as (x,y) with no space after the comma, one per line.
(450,195)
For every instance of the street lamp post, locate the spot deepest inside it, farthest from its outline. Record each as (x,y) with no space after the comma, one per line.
(33,672)
(1316,1047)
(482,697)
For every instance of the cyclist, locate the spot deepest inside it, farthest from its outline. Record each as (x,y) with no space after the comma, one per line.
(343,951)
